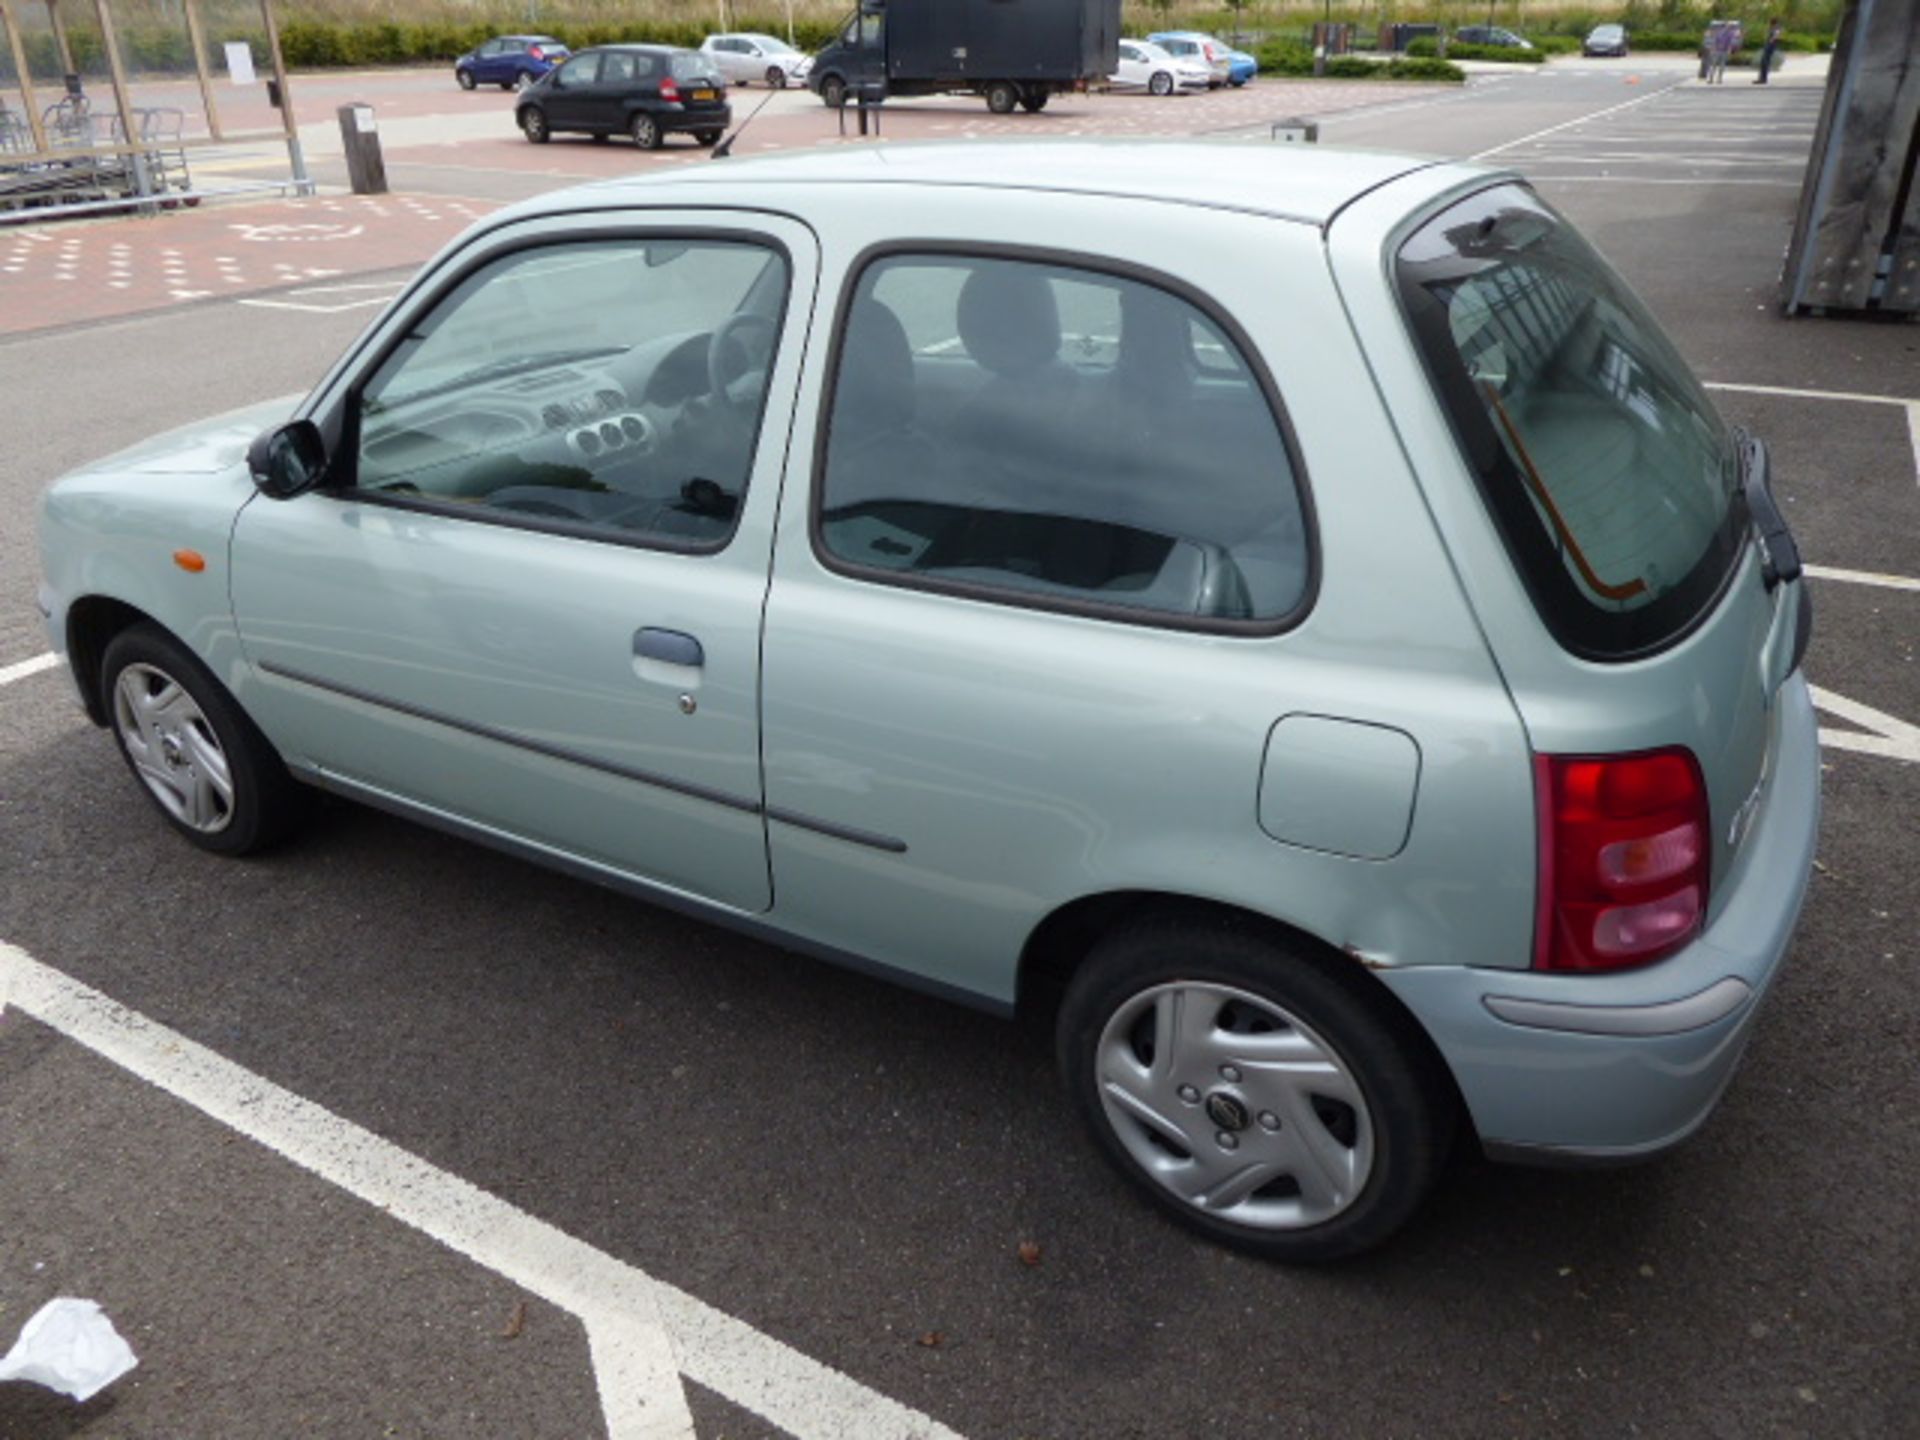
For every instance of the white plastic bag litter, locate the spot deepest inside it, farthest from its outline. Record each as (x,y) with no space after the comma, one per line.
(71,1346)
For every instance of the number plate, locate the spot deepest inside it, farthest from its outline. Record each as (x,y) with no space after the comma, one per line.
(703,94)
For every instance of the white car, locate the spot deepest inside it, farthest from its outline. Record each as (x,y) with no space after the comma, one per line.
(1150,68)
(747,58)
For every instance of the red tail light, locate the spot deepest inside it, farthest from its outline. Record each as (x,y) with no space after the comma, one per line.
(1625,858)
(536,52)
(670,90)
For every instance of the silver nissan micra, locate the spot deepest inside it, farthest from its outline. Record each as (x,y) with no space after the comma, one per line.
(1288,615)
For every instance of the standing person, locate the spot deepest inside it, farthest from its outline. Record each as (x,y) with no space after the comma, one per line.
(1719,47)
(1766,50)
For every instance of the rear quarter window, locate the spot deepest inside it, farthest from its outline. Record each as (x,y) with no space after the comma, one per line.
(1610,477)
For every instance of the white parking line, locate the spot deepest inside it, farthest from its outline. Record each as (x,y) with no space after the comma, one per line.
(1912,407)
(643,1334)
(1890,738)
(1581,120)
(1862,577)
(20,671)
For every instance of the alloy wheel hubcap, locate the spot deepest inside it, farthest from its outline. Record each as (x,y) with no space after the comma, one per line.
(173,748)
(1234,1105)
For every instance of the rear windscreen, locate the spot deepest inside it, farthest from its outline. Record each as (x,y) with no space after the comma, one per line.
(693,67)
(1613,482)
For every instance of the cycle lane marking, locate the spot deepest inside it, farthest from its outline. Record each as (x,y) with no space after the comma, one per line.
(642,1333)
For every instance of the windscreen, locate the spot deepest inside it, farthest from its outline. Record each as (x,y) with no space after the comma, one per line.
(1614,483)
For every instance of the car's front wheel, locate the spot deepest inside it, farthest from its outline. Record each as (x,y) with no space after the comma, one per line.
(1160,84)
(776,77)
(1001,97)
(833,92)
(465,77)
(203,763)
(1254,1090)
(645,131)
(533,124)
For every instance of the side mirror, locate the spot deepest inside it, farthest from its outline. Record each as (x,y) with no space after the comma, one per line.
(288,460)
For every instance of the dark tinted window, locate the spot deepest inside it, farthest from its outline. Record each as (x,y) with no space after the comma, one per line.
(1046,432)
(616,68)
(1613,481)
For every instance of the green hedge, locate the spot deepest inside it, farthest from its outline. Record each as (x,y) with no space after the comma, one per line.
(1426,48)
(1284,57)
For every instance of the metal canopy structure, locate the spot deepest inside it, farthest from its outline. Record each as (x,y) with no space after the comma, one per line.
(64,150)
(1856,238)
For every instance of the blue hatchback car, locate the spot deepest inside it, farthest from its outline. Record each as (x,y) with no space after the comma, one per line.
(512,62)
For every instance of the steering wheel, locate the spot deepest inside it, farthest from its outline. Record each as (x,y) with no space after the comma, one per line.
(733,332)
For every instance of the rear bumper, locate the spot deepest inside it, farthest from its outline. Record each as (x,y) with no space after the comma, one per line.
(1574,1069)
(681,122)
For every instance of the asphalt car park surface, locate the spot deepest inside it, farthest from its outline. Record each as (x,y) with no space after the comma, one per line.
(847,1171)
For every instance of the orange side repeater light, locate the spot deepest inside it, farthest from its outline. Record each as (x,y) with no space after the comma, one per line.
(191,561)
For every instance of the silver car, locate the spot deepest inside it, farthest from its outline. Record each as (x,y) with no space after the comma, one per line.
(1322,650)
(749,59)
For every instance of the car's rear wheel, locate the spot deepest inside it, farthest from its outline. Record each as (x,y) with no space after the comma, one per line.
(776,77)
(1160,84)
(645,131)
(203,763)
(833,92)
(1034,101)
(465,77)
(533,124)
(1001,97)
(1256,1092)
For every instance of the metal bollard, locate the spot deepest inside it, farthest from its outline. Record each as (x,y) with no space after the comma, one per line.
(366,170)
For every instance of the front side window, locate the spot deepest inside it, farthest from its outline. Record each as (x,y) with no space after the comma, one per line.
(611,387)
(581,70)
(1613,482)
(616,68)
(1057,436)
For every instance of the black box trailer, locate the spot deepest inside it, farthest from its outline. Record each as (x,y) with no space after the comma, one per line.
(1009,52)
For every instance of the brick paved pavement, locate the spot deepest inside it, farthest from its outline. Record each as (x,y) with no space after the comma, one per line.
(76,270)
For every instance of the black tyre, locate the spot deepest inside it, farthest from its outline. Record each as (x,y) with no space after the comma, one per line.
(645,131)
(206,766)
(1001,96)
(465,77)
(1263,1096)
(833,92)
(1034,101)
(1160,84)
(533,124)
(600,137)
(776,77)
(708,138)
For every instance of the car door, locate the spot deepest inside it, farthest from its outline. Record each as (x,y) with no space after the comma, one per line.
(615,88)
(570,100)
(528,602)
(735,59)
(486,62)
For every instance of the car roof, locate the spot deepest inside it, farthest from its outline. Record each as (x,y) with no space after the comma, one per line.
(1308,183)
(649,49)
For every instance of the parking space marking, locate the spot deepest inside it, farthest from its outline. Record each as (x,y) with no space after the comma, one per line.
(1912,407)
(1889,738)
(1580,120)
(643,1334)
(385,290)
(20,671)
(1861,577)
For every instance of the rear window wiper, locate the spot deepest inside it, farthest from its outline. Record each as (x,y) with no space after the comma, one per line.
(1780,552)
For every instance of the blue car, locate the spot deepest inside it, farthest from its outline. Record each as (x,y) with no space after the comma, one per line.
(1229,66)
(512,62)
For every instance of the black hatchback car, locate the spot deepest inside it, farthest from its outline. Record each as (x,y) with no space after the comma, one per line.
(645,91)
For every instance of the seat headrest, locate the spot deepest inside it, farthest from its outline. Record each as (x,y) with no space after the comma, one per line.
(875,388)
(1008,319)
